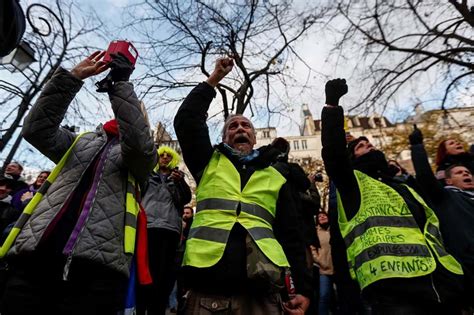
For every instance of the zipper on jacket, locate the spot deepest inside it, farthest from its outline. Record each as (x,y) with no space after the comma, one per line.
(434,288)
(68,198)
(70,253)
(66,267)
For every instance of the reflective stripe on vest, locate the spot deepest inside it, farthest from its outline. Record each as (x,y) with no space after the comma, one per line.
(31,206)
(383,239)
(131,212)
(219,197)
(435,239)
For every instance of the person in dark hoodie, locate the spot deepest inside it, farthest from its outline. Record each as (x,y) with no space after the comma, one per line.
(453,203)
(392,238)
(246,231)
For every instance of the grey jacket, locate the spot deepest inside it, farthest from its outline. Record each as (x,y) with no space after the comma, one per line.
(101,238)
(163,201)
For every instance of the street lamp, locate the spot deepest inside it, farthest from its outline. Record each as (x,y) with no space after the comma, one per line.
(20,57)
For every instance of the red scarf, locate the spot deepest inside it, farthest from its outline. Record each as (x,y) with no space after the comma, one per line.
(111,128)
(141,252)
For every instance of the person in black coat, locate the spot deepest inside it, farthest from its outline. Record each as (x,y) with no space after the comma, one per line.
(419,294)
(228,277)
(453,203)
(8,216)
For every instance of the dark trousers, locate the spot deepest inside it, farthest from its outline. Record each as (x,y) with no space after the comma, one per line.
(349,300)
(89,290)
(162,246)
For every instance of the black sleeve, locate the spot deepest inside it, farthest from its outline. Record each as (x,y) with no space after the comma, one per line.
(428,183)
(315,197)
(191,129)
(183,193)
(287,229)
(336,159)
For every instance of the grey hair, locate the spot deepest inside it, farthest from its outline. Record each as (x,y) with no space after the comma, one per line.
(228,120)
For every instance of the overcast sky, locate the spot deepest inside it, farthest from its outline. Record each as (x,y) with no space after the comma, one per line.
(314,50)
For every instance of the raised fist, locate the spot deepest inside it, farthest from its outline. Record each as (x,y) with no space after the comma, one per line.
(416,137)
(222,68)
(335,89)
(121,67)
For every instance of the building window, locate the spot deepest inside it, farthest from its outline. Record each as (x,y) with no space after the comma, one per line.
(304,144)
(296,145)
(266,134)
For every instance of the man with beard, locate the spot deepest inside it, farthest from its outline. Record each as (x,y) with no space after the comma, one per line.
(245,232)
(393,243)
(187,221)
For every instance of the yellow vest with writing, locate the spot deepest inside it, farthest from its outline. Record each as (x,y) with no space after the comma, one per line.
(219,197)
(383,239)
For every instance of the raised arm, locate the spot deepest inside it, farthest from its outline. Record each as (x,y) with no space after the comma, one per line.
(424,174)
(138,149)
(41,125)
(190,121)
(335,155)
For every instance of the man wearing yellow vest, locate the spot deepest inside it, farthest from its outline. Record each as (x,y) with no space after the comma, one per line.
(72,247)
(394,247)
(246,231)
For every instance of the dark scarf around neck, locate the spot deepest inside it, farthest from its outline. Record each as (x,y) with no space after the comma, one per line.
(374,164)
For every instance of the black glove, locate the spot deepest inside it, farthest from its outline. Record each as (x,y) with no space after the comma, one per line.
(335,89)
(121,67)
(416,137)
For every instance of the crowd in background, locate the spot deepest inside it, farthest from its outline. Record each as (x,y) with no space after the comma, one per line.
(112,227)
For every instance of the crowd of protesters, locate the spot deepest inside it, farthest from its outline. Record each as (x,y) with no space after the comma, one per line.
(110,228)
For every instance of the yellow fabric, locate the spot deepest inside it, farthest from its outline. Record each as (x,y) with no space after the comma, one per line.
(377,248)
(31,206)
(221,182)
(133,208)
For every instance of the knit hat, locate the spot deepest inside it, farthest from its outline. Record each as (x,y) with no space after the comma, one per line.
(351,146)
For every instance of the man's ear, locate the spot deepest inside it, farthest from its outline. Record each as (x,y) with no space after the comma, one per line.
(448,181)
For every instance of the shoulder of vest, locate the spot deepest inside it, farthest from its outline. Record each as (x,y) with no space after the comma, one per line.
(282,168)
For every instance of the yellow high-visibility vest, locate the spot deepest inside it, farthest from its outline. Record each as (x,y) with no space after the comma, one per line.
(383,239)
(219,196)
